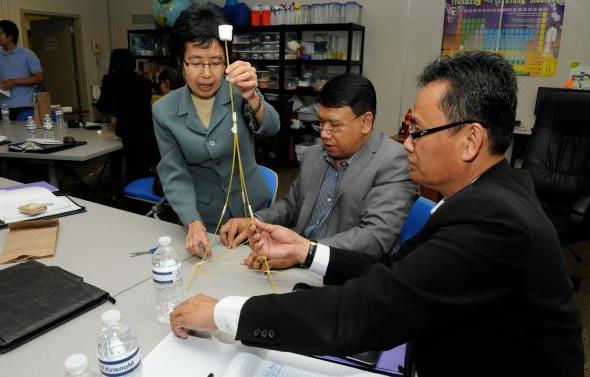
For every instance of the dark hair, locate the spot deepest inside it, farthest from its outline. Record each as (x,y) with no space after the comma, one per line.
(349,89)
(482,87)
(195,24)
(174,77)
(122,61)
(10,29)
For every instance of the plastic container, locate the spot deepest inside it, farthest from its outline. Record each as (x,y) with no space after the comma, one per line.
(118,348)
(77,365)
(255,16)
(167,278)
(265,17)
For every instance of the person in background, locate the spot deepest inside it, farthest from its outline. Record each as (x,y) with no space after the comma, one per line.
(170,79)
(193,128)
(353,190)
(481,290)
(126,96)
(20,70)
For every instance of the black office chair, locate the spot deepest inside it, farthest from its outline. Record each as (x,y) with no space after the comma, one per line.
(558,158)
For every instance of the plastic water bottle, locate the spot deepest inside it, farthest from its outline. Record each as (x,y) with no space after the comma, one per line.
(5,115)
(47,127)
(31,127)
(77,365)
(118,348)
(167,276)
(59,117)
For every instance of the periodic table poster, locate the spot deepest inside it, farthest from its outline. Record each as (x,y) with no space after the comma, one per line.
(526,32)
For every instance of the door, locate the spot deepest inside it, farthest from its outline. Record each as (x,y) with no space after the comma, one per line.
(52,39)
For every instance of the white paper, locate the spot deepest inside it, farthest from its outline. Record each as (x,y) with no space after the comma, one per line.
(5,92)
(10,200)
(199,357)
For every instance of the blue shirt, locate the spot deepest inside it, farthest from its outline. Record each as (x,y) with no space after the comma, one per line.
(18,63)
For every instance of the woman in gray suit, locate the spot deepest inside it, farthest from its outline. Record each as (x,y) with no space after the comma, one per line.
(193,129)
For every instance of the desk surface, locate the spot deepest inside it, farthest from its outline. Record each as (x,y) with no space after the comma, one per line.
(97,145)
(95,245)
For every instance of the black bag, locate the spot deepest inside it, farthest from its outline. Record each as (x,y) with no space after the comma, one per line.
(36,298)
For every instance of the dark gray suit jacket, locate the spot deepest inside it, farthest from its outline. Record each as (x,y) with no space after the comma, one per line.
(370,207)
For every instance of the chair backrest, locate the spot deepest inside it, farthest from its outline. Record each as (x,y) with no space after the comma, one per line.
(417,218)
(272,182)
(23,115)
(558,155)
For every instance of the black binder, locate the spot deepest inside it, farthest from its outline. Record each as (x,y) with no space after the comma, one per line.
(36,298)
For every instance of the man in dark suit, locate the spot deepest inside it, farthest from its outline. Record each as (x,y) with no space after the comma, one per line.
(480,291)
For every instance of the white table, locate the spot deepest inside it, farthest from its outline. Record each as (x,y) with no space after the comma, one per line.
(97,145)
(95,245)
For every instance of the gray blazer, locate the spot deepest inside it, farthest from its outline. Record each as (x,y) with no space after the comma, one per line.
(370,207)
(196,162)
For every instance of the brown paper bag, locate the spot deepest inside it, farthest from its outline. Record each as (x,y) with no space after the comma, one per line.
(30,240)
(42,104)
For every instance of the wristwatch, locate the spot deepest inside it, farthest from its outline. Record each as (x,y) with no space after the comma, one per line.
(310,254)
(249,112)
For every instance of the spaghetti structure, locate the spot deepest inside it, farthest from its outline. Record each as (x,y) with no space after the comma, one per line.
(225,35)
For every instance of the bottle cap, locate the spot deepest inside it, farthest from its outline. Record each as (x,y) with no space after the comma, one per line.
(225,32)
(165,241)
(76,364)
(111,317)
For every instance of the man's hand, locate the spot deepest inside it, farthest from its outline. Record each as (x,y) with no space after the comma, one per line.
(196,313)
(235,231)
(243,75)
(196,239)
(7,84)
(256,262)
(277,242)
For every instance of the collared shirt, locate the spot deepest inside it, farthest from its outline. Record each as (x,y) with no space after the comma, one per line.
(318,221)
(18,63)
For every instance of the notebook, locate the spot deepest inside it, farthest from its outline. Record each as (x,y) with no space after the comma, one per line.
(36,298)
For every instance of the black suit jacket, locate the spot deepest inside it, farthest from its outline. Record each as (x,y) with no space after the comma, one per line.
(481,290)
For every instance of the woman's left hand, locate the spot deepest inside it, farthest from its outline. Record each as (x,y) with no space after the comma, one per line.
(243,75)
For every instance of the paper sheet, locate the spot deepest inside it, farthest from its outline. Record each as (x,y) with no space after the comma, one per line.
(199,357)
(10,200)
(5,92)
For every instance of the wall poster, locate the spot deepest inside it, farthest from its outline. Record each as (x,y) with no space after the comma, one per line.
(526,32)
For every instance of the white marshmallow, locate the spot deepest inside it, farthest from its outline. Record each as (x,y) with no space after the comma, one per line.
(225,32)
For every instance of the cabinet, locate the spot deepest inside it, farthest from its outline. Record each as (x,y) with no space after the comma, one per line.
(296,60)
(291,60)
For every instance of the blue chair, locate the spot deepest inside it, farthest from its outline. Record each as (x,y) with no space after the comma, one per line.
(141,189)
(272,181)
(23,115)
(417,218)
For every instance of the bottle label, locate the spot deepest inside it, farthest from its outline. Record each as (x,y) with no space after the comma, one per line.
(124,366)
(167,274)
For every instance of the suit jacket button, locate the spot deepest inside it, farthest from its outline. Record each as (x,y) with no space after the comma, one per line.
(264,333)
(271,334)
(212,143)
(256,332)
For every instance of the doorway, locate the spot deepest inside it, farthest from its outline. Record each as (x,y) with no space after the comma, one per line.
(53,39)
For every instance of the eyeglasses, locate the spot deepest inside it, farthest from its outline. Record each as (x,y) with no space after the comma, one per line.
(199,66)
(417,134)
(320,125)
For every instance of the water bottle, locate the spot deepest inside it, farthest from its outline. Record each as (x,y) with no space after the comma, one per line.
(167,276)
(118,348)
(47,127)
(59,117)
(77,365)
(31,127)
(5,115)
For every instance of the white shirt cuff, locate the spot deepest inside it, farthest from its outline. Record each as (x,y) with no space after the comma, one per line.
(319,265)
(226,314)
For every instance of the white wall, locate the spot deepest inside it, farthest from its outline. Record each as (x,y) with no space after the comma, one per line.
(93,21)
(402,36)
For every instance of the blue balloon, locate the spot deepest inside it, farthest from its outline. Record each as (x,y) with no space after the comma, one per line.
(166,12)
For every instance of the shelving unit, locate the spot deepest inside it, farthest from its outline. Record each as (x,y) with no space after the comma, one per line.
(325,51)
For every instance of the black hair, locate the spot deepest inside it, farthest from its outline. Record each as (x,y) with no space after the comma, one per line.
(173,76)
(195,24)
(349,89)
(122,61)
(10,29)
(481,87)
